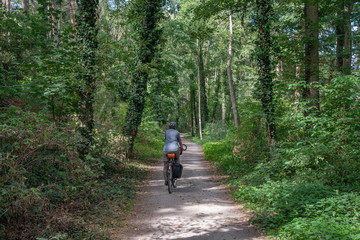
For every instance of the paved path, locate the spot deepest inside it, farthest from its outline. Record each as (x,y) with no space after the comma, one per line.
(199,208)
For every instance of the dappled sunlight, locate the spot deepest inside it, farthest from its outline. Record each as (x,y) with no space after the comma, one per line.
(199,208)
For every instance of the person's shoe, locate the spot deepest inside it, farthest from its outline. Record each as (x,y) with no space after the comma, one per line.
(166,183)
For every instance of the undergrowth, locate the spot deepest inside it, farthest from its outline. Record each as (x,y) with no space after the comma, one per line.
(307,186)
(48,192)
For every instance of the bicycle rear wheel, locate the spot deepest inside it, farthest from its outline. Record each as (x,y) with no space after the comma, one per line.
(169,179)
(170,185)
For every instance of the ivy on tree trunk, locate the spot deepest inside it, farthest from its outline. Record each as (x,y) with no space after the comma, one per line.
(86,37)
(266,93)
(148,12)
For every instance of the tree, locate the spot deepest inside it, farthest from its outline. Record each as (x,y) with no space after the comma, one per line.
(86,37)
(264,11)
(311,91)
(343,36)
(200,87)
(148,13)
(25,5)
(229,73)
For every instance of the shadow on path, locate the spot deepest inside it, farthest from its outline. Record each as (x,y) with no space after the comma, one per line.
(199,208)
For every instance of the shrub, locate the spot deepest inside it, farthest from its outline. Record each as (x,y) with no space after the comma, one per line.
(215,131)
(335,217)
(277,203)
(45,183)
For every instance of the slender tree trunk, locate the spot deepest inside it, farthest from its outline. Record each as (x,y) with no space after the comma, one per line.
(311,92)
(229,74)
(72,12)
(297,92)
(204,113)
(55,23)
(343,36)
(191,111)
(34,6)
(194,110)
(223,106)
(356,62)
(25,5)
(340,35)
(347,39)
(199,86)
(87,37)
(216,94)
(265,65)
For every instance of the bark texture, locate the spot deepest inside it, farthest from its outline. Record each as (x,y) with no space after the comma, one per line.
(311,92)
(229,74)
(25,5)
(356,63)
(347,39)
(199,75)
(343,36)
(72,12)
(216,95)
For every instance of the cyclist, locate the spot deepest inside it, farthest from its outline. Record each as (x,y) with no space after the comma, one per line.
(172,142)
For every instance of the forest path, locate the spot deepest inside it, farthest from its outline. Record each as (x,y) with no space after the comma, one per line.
(199,208)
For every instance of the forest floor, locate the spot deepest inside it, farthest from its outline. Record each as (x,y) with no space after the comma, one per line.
(199,208)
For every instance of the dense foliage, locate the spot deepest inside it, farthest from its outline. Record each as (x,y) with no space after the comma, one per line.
(271,88)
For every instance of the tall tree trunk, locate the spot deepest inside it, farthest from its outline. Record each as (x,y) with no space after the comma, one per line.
(229,74)
(265,66)
(34,6)
(25,5)
(297,92)
(204,113)
(340,35)
(55,22)
(347,39)
(343,36)
(311,92)
(149,12)
(87,37)
(356,62)
(199,86)
(72,12)
(191,111)
(195,122)
(216,94)
(223,105)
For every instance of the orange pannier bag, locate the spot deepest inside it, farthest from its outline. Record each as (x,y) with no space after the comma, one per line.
(171,155)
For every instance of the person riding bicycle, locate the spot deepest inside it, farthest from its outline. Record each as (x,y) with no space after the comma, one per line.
(172,143)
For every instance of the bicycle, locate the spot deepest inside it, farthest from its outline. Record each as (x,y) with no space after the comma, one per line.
(171,181)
